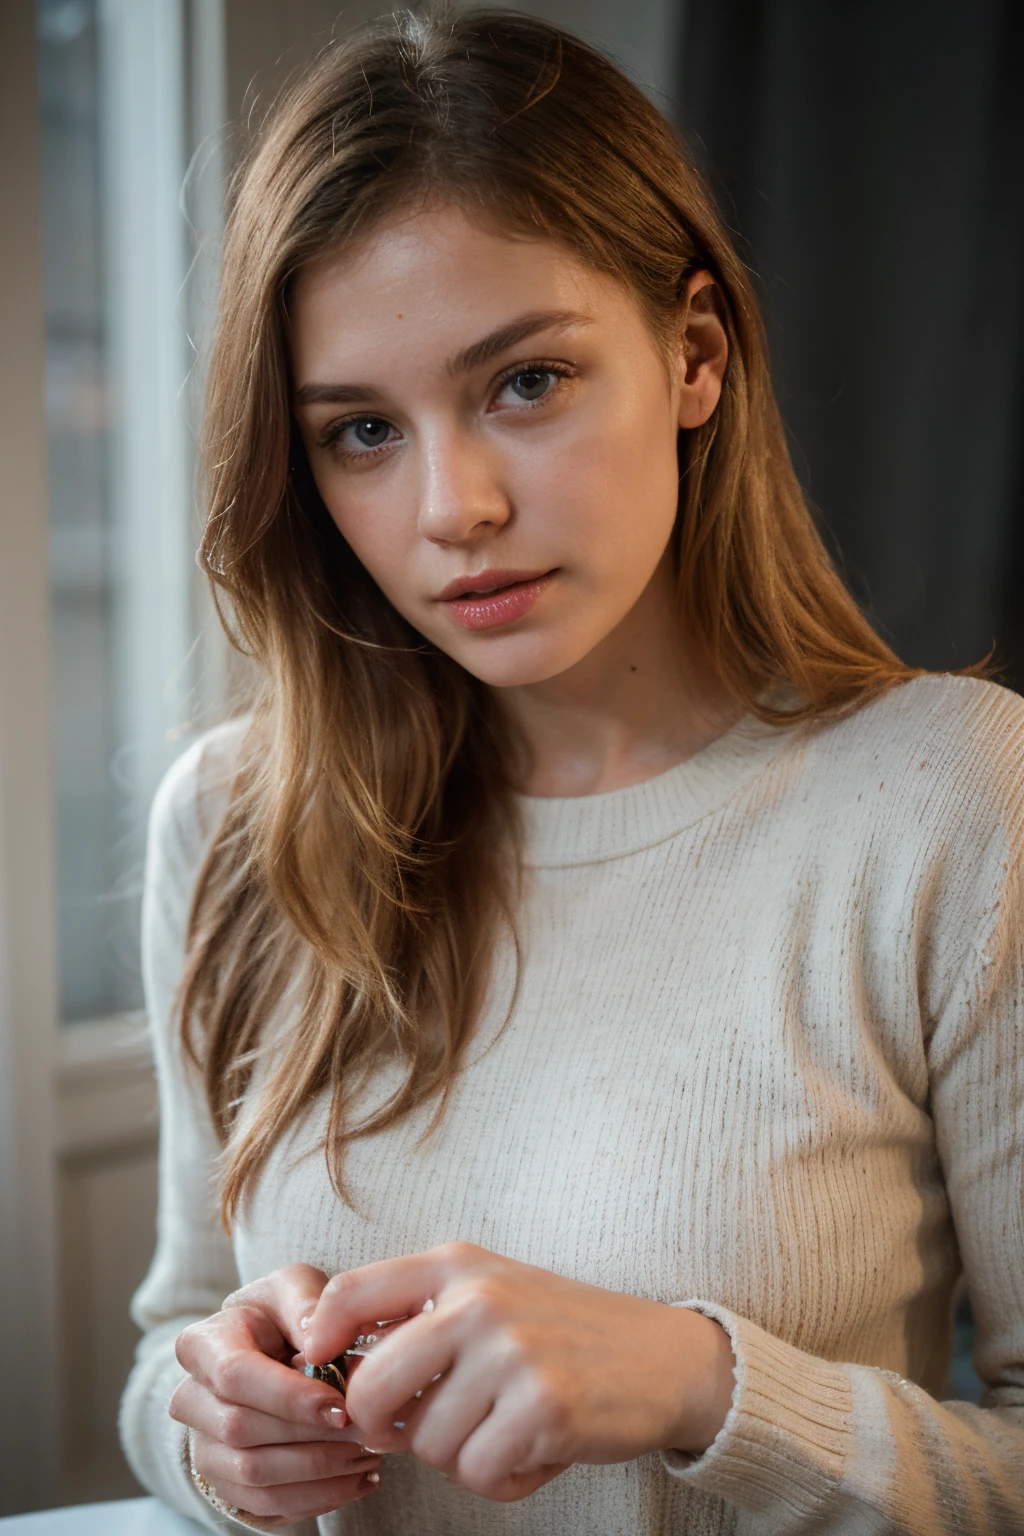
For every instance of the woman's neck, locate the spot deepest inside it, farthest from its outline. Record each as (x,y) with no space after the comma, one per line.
(637,705)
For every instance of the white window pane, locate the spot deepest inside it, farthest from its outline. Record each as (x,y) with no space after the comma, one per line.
(116,146)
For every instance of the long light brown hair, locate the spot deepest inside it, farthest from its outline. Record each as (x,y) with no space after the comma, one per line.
(359,867)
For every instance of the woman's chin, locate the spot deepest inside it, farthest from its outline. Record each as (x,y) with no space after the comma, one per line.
(515,661)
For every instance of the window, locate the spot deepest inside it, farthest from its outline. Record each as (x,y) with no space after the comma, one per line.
(127,87)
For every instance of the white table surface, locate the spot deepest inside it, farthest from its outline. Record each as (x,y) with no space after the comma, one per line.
(126,1517)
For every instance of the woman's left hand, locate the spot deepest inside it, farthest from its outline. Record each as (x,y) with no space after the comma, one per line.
(536,1371)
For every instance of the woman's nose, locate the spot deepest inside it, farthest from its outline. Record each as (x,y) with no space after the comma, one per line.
(461,491)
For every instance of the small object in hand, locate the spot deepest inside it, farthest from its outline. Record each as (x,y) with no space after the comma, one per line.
(335,1372)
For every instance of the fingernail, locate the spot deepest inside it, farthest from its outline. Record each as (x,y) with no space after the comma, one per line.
(428,1305)
(304,1322)
(398,1424)
(371,1452)
(337,1418)
(372,1479)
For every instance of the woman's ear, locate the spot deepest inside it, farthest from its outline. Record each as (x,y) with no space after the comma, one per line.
(704,352)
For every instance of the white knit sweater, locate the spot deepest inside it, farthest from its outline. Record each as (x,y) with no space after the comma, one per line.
(767,1057)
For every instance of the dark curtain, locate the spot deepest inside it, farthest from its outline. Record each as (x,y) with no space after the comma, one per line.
(871,159)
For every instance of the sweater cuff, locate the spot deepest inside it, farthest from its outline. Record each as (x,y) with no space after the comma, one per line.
(788,1436)
(239,1520)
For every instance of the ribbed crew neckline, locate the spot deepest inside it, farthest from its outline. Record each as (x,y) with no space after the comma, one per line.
(588,829)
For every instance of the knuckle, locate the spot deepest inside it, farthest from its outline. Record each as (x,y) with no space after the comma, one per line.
(339,1287)
(480,1304)
(484,1468)
(177,1407)
(188,1344)
(301,1275)
(479,1477)
(247,1468)
(232,1426)
(226,1375)
(458,1254)
(246,1295)
(427,1450)
(511,1349)
(547,1406)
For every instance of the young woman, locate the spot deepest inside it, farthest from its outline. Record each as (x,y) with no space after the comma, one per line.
(595,950)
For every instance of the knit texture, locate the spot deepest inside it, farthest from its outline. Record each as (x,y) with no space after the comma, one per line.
(766,1059)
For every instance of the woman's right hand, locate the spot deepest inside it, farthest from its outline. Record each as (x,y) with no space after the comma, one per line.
(266,1438)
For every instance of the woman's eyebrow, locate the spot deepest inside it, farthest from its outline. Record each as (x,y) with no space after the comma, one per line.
(338,394)
(508,335)
(470,357)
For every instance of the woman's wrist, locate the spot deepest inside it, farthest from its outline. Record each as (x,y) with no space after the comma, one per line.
(710,1382)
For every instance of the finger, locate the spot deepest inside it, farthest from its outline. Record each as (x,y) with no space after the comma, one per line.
(233,1425)
(407,1362)
(503,1458)
(298,1501)
(389,1288)
(438,1426)
(287,1299)
(269,1466)
(223,1354)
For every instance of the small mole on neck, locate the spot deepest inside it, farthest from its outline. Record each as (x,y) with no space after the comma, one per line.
(631,667)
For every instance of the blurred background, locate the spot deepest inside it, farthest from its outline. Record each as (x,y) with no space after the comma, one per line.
(868,157)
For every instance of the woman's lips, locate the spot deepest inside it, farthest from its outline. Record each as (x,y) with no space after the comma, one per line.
(488,610)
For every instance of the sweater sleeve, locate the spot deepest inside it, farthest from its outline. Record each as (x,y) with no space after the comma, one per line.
(193,1268)
(812,1444)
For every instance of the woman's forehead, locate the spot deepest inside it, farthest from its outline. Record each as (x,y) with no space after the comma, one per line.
(429,248)
(439,282)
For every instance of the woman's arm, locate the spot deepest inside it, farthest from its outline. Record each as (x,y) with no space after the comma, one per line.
(193,1268)
(210,1394)
(810,1444)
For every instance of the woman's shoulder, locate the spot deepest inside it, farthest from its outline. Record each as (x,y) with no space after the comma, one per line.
(193,795)
(940,745)
(962,714)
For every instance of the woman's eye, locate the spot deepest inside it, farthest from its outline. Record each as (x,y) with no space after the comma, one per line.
(357,437)
(369,431)
(531,383)
(534,382)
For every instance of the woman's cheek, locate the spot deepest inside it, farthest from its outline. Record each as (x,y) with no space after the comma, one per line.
(377,537)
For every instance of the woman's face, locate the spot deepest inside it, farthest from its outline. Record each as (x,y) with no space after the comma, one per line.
(493,430)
